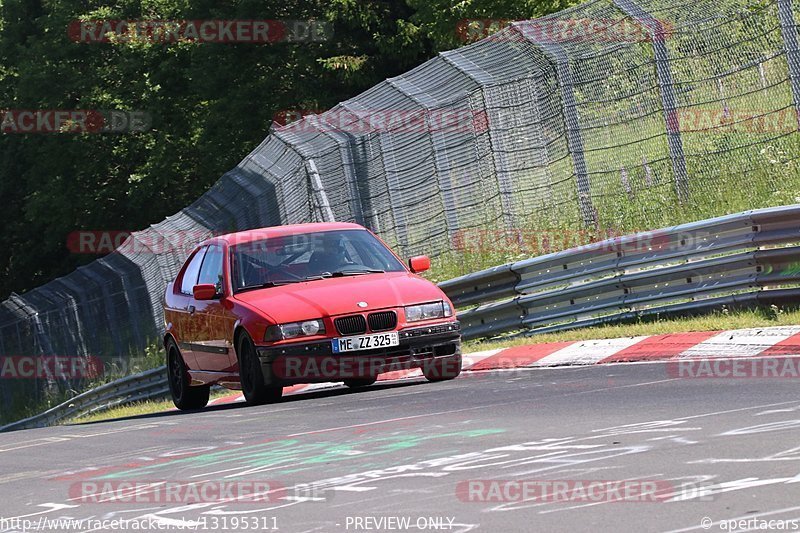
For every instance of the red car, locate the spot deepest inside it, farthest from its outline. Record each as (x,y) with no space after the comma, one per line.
(262,309)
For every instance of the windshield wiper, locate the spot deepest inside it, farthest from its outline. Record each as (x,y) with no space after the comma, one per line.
(265,285)
(341,273)
(323,275)
(314,278)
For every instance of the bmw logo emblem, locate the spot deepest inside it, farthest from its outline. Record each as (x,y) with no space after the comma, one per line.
(362,304)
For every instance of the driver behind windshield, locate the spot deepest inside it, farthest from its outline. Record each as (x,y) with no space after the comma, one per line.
(329,255)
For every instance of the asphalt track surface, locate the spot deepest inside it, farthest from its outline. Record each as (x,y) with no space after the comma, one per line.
(397,457)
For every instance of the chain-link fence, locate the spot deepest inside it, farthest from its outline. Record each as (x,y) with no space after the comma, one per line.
(629,114)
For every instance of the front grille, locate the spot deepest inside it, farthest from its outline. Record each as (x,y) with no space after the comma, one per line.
(351,325)
(382,321)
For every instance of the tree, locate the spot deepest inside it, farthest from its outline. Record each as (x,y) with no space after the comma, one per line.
(210,105)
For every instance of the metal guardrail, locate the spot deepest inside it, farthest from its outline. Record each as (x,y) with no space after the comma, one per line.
(734,260)
(147,385)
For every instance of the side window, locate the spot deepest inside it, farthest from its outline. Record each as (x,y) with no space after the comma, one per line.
(190,275)
(211,271)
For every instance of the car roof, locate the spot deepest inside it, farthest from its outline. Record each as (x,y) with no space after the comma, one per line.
(258,234)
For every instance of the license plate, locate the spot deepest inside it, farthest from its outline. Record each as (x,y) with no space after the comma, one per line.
(366,342)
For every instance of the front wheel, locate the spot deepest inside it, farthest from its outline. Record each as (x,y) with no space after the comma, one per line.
(184,397)
(251,376)
(442,368)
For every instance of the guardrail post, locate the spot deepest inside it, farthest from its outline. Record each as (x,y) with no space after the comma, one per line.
(556,54)
(443,175)
(386,143)
(481,79)
(541,155)
(304,155)
(386,149)
(789,34)
(666,85)
(19,337)
(504,185)
(318,189)
(439,160)
(345,140)
(40,337)
(135,313)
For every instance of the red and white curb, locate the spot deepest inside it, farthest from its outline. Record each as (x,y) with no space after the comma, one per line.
(752,342)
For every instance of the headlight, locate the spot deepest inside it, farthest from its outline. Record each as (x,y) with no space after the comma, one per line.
(291,330)
(415,313)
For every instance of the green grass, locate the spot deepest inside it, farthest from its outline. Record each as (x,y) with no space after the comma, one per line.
(125,411)
(137,409)
(732,165)
(721,320)
(153,357)
(725,188)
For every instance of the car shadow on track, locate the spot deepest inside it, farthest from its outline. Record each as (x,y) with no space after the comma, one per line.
(301,396)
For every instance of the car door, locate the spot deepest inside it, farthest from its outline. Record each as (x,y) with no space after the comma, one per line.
(181,314)
(211,347)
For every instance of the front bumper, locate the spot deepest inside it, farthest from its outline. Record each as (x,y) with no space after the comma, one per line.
(314,362)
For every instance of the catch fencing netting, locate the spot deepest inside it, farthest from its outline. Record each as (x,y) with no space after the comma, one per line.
(608,117)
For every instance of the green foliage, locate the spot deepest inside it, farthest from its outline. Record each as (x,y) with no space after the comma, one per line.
(439,20)
(24,404)
(211,104)
(654,325)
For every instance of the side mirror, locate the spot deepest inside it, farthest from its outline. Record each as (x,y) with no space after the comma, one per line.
(419,263)
(204,291)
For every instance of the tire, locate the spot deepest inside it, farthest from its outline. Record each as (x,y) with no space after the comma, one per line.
(361,382)
(251,376)
(442,368)
(185,397)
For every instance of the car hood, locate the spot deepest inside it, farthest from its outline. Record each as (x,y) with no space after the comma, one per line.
(337,296)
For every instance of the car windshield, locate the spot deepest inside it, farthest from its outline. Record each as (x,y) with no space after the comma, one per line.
(309,256)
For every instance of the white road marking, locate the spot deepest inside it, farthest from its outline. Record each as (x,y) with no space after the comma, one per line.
(741,342)
(588,352)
